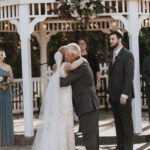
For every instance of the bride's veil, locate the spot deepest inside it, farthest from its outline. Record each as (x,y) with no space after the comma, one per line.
(47,132)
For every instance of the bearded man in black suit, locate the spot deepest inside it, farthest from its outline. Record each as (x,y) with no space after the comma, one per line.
(121,73)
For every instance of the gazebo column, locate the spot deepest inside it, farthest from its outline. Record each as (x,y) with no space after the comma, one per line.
(43,40)
(134,47)
(24,23)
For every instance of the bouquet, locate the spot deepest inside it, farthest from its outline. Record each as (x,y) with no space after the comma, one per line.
(4,81)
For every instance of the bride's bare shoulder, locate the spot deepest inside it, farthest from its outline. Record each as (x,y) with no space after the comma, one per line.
(66,66)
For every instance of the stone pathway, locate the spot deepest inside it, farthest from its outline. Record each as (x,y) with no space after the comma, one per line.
(107,134)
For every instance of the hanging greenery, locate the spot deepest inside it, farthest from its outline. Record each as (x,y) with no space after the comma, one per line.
(80,9)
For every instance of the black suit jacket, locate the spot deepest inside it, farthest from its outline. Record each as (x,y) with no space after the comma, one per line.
(121,74)
(84,93)
(146,75)
(146,70)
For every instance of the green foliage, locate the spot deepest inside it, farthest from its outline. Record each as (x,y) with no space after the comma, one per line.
(97,43)
(10,42)
(80,9)
(144,43)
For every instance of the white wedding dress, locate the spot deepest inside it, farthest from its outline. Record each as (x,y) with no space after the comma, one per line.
(56,116)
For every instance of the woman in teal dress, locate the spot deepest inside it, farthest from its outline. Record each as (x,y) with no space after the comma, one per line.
(6,118)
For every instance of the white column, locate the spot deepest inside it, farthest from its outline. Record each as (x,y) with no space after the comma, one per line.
(43,40)
(134,48)
(26,69)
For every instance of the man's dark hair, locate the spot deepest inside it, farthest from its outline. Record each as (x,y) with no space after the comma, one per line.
(1,49)
(84,39)
(118,33)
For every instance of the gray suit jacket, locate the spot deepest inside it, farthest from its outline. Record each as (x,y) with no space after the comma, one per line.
(121,74)
(84,93)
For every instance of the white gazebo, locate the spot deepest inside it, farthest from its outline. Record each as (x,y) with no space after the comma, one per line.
(40,18)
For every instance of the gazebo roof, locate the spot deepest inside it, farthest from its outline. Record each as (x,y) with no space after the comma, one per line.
(9,11)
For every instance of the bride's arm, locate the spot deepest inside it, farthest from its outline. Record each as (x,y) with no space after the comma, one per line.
(72,66)
(77,63)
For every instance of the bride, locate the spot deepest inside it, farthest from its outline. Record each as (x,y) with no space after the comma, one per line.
(55,131)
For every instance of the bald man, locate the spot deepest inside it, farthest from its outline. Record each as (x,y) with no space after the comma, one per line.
(85,99)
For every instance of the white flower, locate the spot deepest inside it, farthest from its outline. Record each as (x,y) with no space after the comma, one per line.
(74,14)
(1,78)
(91,7)
(86,1)
(82,5)
(92,16)
(59,5)
(83,16)
(103,3)
(79,18)
(8,80)
(72,6)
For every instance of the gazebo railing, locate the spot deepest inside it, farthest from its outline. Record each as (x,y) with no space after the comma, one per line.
(104,99)
(115,6)
(9,11)
(17,93)
(144,6)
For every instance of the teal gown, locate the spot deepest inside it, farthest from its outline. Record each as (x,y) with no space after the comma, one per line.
(6,117)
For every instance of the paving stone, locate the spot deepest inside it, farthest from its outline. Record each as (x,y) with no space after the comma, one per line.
(106,129)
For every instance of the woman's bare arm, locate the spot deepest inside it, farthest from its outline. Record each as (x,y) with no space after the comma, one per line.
(10,73)
(77,63)
(72,66)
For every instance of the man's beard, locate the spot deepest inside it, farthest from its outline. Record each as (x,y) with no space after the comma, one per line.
(115,45)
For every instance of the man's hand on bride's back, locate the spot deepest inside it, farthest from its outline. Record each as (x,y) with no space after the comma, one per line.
(54,67)
(62,49)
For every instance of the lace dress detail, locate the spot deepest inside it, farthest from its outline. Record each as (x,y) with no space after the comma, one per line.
(66,111)
(55,131)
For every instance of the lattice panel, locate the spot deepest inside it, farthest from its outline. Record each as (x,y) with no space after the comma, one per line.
(115,6)
(38,9)
(9,12)
(146,23)
(6,26)
(144,6)
(66,26)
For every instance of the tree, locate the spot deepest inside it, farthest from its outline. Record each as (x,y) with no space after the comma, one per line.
(97,44)
(11,44)
(144,43)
